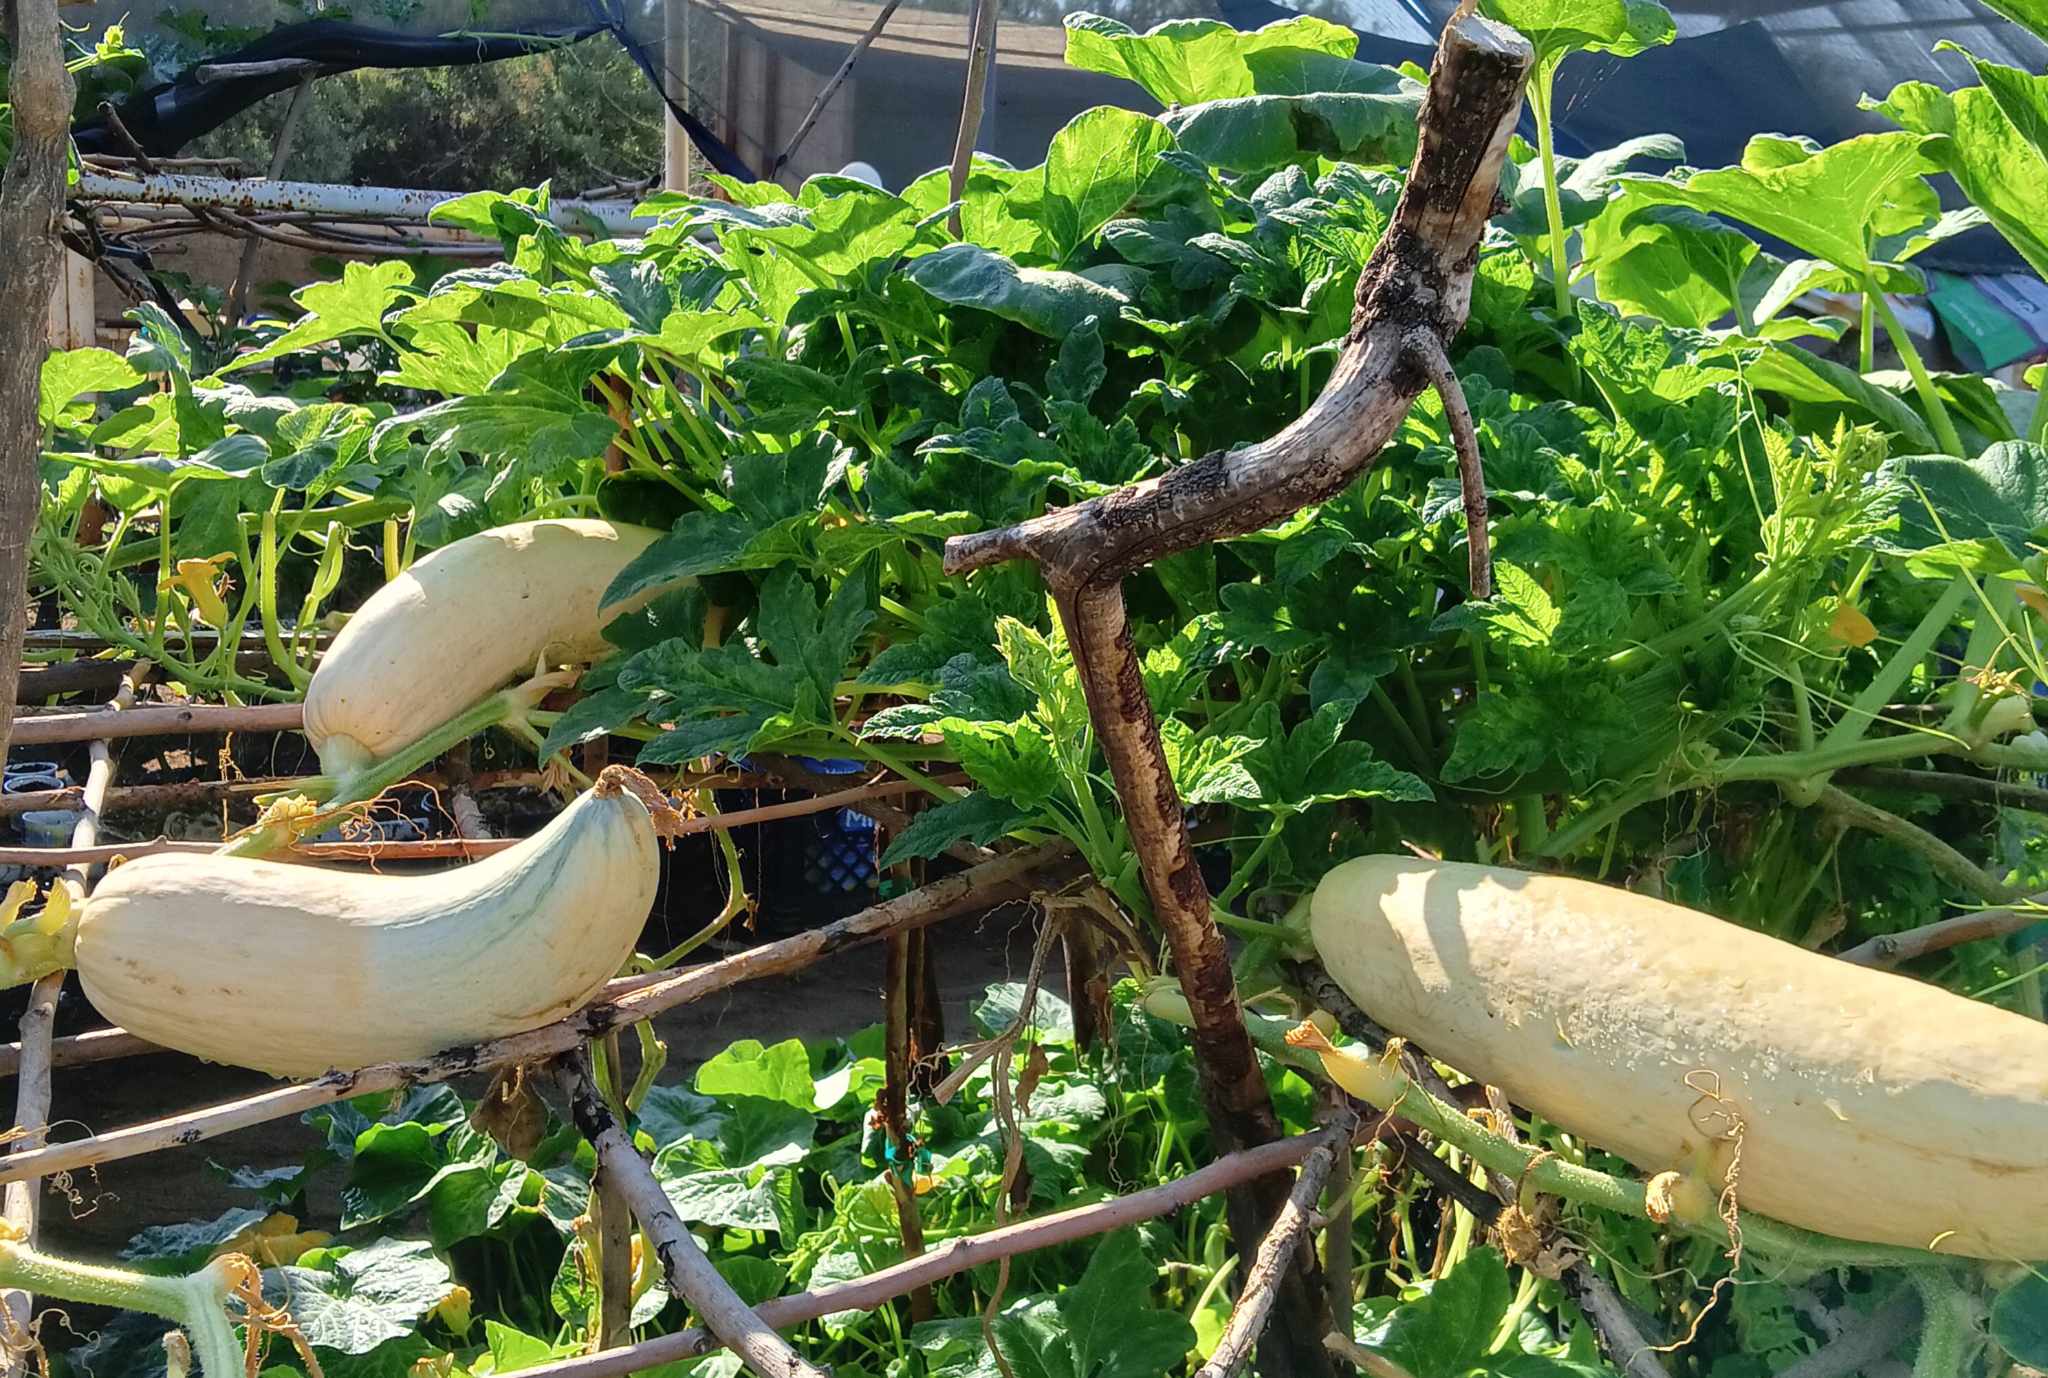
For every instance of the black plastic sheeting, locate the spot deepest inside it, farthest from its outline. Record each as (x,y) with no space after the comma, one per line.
(1714,90)
(164,118)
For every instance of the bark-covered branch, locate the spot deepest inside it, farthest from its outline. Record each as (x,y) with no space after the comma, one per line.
(1285,1245)
(31,215)
(1413,298)
(32,1093)
(691,1278)
(1889,950)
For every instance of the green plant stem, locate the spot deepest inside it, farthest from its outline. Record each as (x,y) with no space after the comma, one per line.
(266,576)
(164,569)
(1252,928)
(1553,207)
(1409,740)
(1945,1331)
(1785,767)
(1532,824)
(506,707)
(1943,859)
(1589,825)
(2037,424)
(1412,688)
(1866,333)
(1244,873)
(884,757)
(1802,707)
(1390,1089)
(1987,636)
(197,1301)
(1923,382)
(1896,670)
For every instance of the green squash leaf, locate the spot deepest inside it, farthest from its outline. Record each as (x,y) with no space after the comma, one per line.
(1184,61)
(1830,203)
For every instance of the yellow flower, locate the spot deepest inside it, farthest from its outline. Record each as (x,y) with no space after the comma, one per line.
(201,581)
(276,1241)
(453,1310)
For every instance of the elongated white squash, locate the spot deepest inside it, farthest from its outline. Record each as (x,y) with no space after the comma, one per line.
(1871,1106)
(298,970)
(462,622)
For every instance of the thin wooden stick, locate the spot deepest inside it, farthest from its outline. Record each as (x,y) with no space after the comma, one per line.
(1284,1246)
(1337,1243)
(72,639)
(1951,785)
(691,1278)
(1378,1365)
(101,1045)
(32,1091)
(126,798)
(442,848)
(280,150)
(980,52)
(787,774)
(825,94)
(1429,353)
(469,819)
(1889,950)
(1864,1341)
(1623,1340)
(161,720)
(624,1002)
(957,1256)
(31,1118)
(894,1107)
(37,682)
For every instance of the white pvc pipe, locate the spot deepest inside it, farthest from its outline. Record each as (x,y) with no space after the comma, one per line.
(362,203)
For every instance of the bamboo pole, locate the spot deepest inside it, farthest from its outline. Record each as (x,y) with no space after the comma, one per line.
(79,1050)
(443,848)
(19,1204)
(161,720)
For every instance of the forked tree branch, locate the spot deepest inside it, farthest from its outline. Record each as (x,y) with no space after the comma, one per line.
(1413,297)
(691,1278)
(1285,1244)
(1417,286)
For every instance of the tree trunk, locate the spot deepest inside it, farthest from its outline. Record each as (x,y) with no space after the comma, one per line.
(31,206)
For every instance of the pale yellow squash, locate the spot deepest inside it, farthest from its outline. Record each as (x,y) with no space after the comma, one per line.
(466,620)
(298,970)
(1866,1105)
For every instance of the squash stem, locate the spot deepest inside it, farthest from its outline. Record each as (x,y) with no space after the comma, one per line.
(1868,704)
(1378,1081)
(1945,1330)
(1923,382)
(1553,207)
(266,576)
(337,792)
(196,1301)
